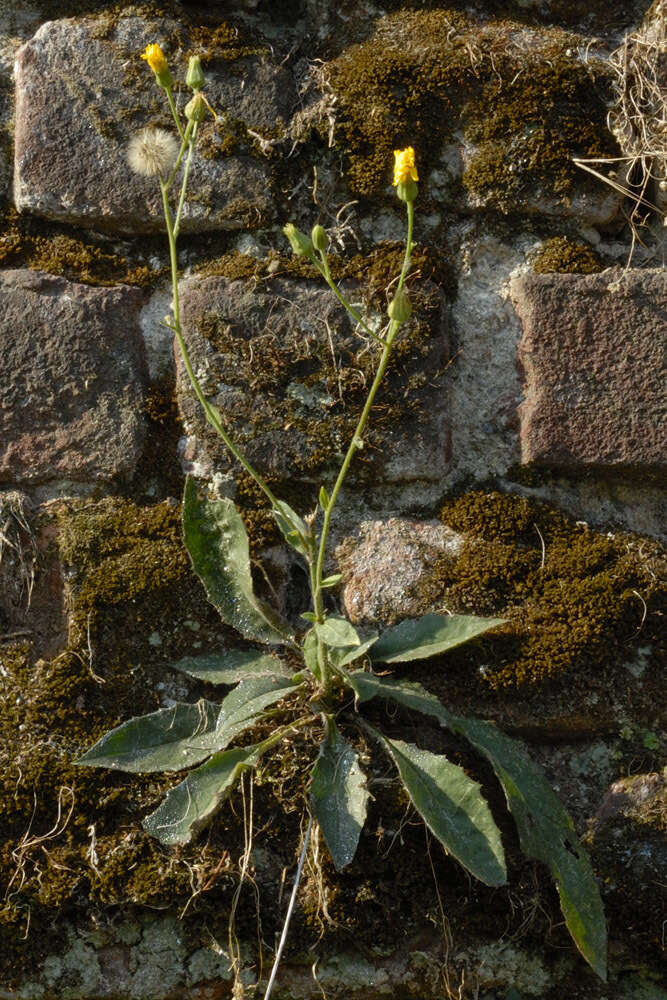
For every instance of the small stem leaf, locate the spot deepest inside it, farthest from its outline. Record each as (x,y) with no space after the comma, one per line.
(309,616)
(189,806)
(331,581)
(230,666)
(342,657)
(337,633)
(324,498)
(418,638)
(216,540)
(170,739)
(546,834)
(338,796)
(293,528)
(452,807)
(245,705)
(408,693)
(309,651)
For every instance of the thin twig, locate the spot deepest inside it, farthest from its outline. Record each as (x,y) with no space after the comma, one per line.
(288,917)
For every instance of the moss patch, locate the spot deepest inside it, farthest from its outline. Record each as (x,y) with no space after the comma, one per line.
(59,250)
(425,74)
(577,599)
(561,255)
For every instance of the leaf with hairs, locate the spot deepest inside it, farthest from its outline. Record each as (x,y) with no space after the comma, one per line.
(452,806)
(419,638)
(170,739)
(230,666)
(216,540)
(338,796)
(546,834)
(192,804)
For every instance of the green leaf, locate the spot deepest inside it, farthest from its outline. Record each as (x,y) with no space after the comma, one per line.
(324,498)
(331,581)
(338,796)
(293,528)
(418,638)
(309,650)
(341,657)
(408,693)
(337,633)
(167,740)
(244,706)
(546,834)
(217,542)
(193,803)
(309,616)
(230,666)
(172,739)
(452,807)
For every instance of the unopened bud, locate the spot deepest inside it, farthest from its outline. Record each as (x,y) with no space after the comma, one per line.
(319,238)
(400,309)
(195,75)
(301,244)
(407,190)
(195,109)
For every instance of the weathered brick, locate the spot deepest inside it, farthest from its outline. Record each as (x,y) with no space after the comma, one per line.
(594,358)
(72,374)
(82,91)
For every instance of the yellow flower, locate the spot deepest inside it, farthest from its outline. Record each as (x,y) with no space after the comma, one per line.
(155,58)
(404,166)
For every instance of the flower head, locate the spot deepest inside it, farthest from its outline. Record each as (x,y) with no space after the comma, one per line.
(152,152)
(404,166)
(155,58)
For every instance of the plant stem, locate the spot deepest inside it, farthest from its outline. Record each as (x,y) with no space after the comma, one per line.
(211,413)
(323,268)
(170,98)
(288,915)
(357,438)
(184,185)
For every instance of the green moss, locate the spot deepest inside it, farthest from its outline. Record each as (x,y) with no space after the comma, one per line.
(563,256)
(424,75)
(120,551)
(527,129)
(58,250)
(576,598)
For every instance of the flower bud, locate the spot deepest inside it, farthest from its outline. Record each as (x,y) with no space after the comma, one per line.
(195,75)
(400,309)
(319,238)
(195,109)
(155,58)
(301,244)
(406,190)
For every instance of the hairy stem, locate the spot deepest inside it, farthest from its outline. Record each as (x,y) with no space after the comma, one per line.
(211,413)
(357,438)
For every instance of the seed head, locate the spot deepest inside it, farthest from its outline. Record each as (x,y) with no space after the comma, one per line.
(152,152)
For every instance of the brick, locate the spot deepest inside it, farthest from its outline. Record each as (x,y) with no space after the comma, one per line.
(72,376)
(594,362)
